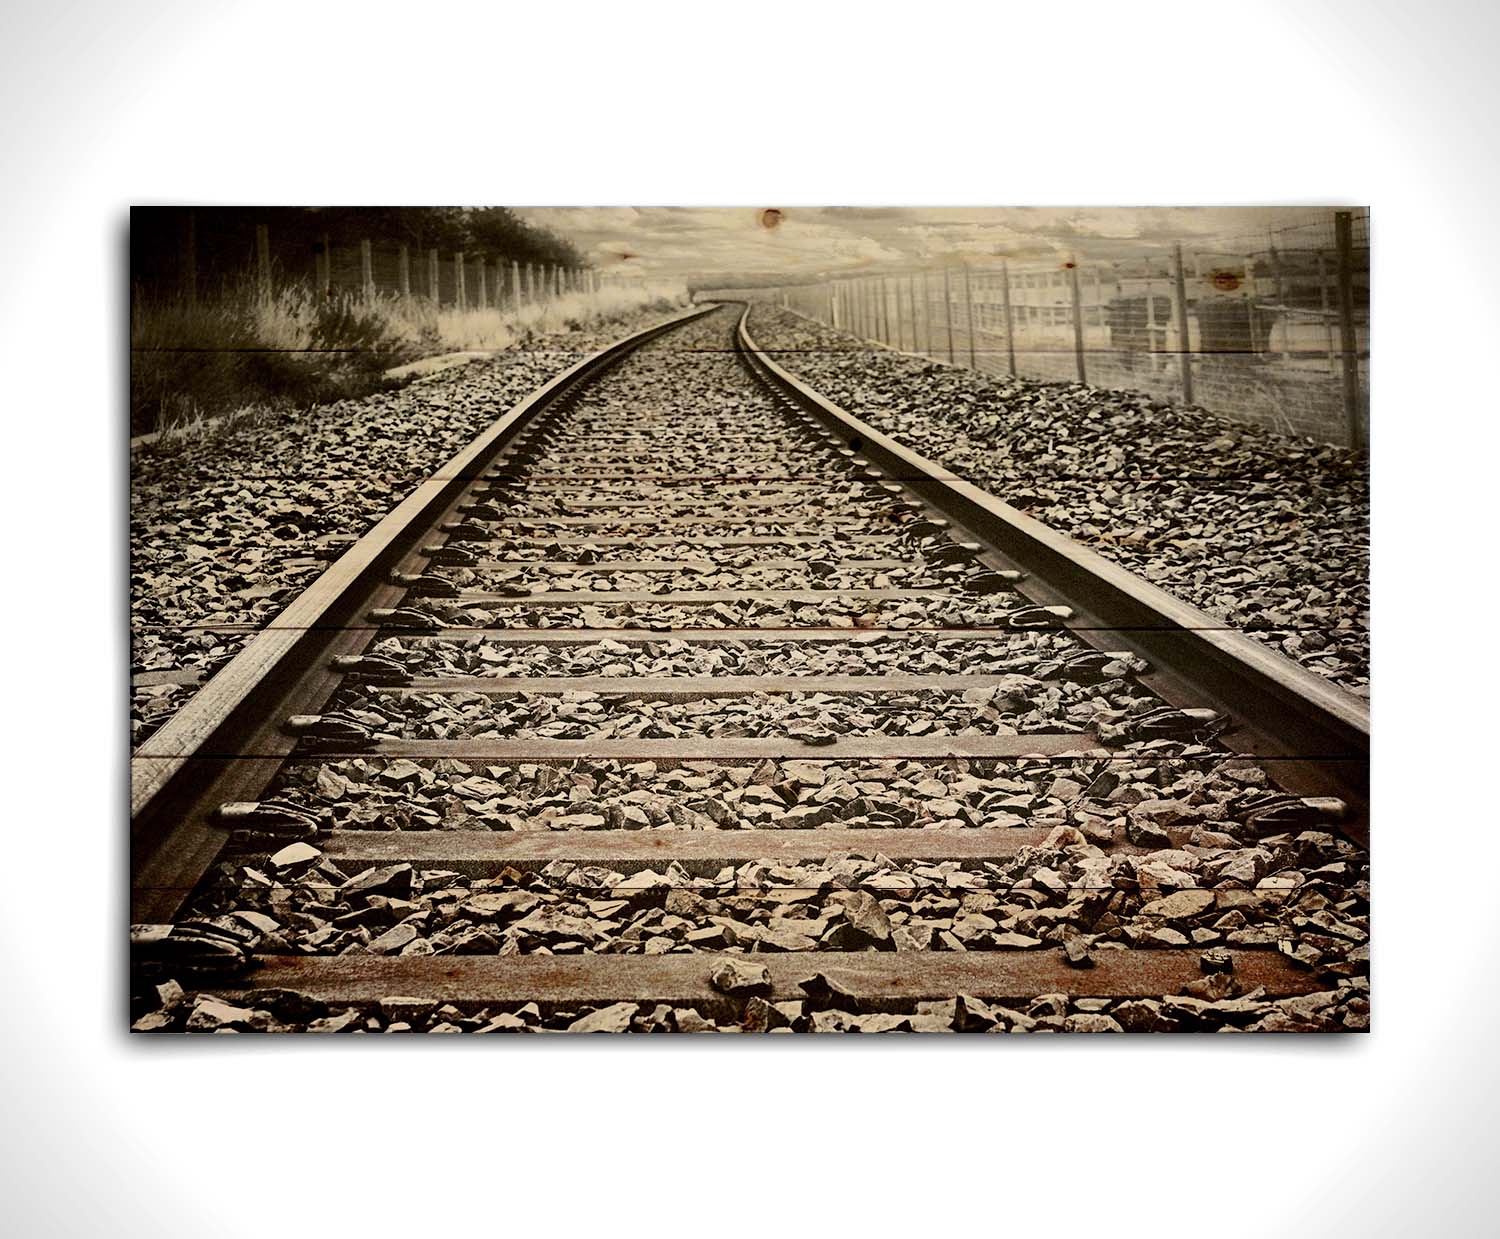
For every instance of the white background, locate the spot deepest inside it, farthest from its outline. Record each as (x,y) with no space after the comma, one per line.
(1392,104)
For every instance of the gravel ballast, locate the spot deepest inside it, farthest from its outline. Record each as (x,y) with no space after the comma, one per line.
(1164,857)
(801,793)
(1139,832)
(1268,533)
(228,530)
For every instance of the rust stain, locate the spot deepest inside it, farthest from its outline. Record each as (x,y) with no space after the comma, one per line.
(771,217)
(1224,281)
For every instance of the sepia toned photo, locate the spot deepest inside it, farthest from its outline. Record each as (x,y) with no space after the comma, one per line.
(763,619)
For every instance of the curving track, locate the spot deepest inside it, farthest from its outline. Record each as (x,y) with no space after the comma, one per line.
(683,698)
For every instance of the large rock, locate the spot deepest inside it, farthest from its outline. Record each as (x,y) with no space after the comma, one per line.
(393,880)
(867,918)
(1180,905)
(294,857)
(740,978)
(972,1015)
(552,925)
(499,905)
(615,1019)
(209,1014)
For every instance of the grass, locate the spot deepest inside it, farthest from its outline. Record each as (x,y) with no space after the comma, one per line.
(499,329)
(244,351)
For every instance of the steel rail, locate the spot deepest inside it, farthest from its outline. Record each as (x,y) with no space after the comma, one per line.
(232,744)
(1278,708)
(285,669)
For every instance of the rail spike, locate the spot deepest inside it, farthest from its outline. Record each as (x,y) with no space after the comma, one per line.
(408,619)
(372,669)
(329,731)
(426,585)
(268,817)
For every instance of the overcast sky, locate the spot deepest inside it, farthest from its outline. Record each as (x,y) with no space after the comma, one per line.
(687,241)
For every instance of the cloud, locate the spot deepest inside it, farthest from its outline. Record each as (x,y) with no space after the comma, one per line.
(684,242)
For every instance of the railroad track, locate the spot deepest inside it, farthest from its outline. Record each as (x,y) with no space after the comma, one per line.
(622,719)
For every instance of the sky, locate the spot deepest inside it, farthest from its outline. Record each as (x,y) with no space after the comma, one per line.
(683,242)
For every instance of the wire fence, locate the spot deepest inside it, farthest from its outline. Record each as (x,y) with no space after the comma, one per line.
(371,267)
(1271,328)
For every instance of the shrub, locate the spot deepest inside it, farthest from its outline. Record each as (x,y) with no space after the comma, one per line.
(293,348)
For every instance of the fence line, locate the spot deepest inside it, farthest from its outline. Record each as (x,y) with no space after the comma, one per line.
(1272,329)
(367,269)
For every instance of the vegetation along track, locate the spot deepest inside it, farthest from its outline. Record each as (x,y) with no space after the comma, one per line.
(682,699)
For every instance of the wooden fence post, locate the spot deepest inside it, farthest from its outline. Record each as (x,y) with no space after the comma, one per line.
(263,260)
(1343,231)
(911,305)
(1010,335)
(187,267)
(1275,259)
(885,312)
(948,306)
(515,285)
(969,319)
(484,292)
(325,268)
(530,284)
(1250,303)
(1323,307)
(434,282)
(1077,320)
(1184,340)
(461,295)
(926,317)
(366,271)
(403,270)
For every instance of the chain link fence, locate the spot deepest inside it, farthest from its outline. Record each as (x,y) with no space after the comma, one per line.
(1270,328)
